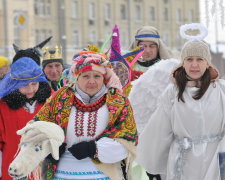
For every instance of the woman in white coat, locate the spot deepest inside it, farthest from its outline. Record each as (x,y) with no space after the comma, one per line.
(186,132)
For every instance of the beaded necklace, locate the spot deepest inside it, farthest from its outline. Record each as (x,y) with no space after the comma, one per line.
(89,107)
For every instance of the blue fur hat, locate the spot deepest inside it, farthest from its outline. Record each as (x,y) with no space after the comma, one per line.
(23,72)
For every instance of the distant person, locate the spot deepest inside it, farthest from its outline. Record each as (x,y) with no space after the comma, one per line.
(154,48)
(52,65)
(4,66)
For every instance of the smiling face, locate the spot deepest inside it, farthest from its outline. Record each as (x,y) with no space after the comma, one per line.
(90,82)
(29,90)
(195,66)
(150,50)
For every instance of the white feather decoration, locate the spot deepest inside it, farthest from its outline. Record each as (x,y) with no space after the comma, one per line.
(203,32)
(147,89)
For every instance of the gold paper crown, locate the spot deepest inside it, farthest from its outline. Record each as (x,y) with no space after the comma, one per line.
(52,53)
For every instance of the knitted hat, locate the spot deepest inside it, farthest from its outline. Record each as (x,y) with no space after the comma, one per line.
(196,48)
(150,33)
(52,55)
(23,72)
(96,62)
(33,53)
(3,61)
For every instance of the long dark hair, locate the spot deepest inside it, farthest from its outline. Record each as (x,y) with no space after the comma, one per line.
(181,81)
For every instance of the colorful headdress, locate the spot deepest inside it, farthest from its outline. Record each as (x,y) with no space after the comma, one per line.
(23,72)
(96,62)
(121,65)
(91,62)
(67,79)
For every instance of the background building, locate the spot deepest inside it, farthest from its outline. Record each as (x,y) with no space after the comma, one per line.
(76,23)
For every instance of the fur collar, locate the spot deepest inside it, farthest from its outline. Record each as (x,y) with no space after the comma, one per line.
(148,63)
(16,100)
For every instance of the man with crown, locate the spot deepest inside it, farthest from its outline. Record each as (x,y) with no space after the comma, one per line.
(53,65)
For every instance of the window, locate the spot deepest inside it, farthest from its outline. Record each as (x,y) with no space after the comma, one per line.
(178,42)
(16,32)
(138,13)
(48,33)
(91,11)
(36,4)
(107,10)
(76,41)
(166,38)
(41,8)
(92,37)
(178,16)
(48,8)
(123,12)
(191,15)
(152,14)
(165,15)
(42,35)
(74,7)
(37,36)
(124,39)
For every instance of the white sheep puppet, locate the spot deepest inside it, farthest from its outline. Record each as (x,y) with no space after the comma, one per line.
(38,140)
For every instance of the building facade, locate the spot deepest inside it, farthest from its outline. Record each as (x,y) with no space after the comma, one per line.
(76,23)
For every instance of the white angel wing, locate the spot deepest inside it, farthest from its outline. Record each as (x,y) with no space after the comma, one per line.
(148,88)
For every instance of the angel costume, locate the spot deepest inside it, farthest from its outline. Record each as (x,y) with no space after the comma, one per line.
(186,136)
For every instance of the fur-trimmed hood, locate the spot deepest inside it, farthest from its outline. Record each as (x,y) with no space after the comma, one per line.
(16,100)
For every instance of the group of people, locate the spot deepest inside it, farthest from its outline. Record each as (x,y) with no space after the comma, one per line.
(180,139)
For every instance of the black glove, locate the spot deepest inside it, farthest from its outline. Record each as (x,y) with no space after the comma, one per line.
(62,149)
(83,149)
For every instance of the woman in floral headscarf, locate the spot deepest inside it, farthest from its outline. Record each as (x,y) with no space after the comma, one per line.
(98,122)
